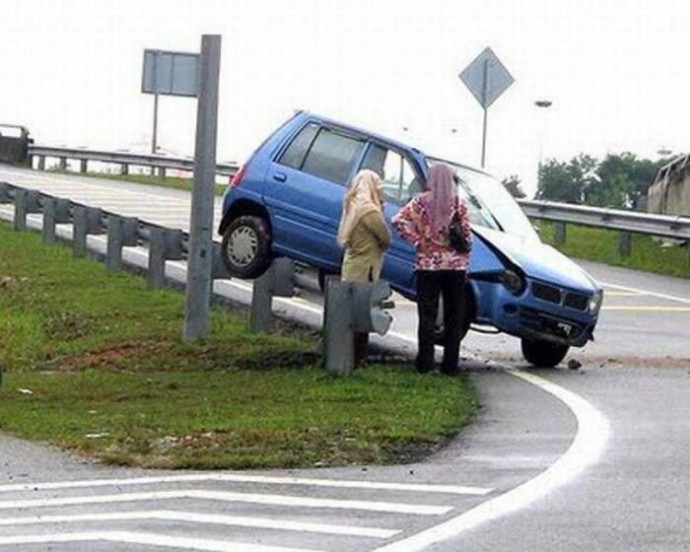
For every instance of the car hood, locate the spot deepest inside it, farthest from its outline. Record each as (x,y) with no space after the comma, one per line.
(538,260)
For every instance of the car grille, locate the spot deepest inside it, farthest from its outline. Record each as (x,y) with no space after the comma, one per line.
(552,294)
(543,323)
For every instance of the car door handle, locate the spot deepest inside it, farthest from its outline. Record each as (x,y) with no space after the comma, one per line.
(280,177)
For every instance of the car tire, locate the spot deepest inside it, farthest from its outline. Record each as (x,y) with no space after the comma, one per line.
(246,247)
(543,354)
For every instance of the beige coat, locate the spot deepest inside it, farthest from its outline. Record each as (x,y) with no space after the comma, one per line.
(368,242)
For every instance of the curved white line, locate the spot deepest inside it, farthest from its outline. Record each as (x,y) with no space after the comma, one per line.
(585,450)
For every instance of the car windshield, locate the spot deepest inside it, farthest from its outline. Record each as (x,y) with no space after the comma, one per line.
(491,205)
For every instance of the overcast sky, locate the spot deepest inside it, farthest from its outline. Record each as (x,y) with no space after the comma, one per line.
(616,72)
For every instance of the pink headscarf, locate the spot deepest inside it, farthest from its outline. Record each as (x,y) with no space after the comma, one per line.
(439,201)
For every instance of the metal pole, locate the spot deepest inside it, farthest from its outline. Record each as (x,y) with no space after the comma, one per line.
(199,263)
(485,93)
(154,141)
(154,135)
(486,112)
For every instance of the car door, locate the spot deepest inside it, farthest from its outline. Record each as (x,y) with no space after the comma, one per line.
(307,182)
(400,183)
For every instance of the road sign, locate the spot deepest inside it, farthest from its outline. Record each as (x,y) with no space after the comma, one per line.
(170,73)
(486,77)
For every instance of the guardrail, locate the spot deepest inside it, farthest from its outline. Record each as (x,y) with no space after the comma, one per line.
(124,159)
(628,222)
(163,244)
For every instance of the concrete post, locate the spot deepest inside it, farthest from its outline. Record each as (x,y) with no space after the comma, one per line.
(25,202)
(560,232)
(164,244)
(338,329)
(85,221)
(121,232)
(277,281)
(55,211)
(625,244)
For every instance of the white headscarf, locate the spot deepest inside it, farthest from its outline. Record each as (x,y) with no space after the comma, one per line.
(362,198)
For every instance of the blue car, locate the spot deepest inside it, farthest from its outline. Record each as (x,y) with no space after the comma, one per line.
(287,200)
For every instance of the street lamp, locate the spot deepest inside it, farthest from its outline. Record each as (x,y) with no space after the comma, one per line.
(543,104)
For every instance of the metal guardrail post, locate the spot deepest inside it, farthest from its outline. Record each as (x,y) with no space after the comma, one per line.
(625,244)
(41,162)
(560,232)
(339,348)
(277,281)
(84,165)
(122,231)
(164,244)
(85,221)
(25,202)
(218,269)
(124,169)
(5,196)
(63,163)
(55,211)
(353,307)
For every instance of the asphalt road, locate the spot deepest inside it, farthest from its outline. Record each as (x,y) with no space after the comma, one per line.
(594,458)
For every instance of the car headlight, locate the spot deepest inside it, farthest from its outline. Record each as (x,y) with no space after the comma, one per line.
(595,302)
(513,281)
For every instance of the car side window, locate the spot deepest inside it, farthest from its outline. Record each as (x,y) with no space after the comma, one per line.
(400,182)
(295,153)
(332,156)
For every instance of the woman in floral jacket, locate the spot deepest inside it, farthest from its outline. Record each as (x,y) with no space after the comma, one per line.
(440,269)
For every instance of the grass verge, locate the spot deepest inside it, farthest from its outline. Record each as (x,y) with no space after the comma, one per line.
(600,245)
(95,364)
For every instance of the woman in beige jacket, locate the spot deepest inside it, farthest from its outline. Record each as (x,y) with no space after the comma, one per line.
(365,237)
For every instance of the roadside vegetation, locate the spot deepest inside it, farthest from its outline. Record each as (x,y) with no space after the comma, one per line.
(95,364)
(595,244)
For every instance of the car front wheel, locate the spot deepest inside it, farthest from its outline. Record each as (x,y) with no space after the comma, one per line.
(246,247)
(543,354)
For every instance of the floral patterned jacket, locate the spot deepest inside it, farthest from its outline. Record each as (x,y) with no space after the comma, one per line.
(433,251)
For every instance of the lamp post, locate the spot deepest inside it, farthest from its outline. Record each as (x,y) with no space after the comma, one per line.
(542,104)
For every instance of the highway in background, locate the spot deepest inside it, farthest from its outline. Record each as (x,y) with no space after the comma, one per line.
(593,458)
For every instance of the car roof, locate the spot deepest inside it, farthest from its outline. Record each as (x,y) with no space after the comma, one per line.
(304,115)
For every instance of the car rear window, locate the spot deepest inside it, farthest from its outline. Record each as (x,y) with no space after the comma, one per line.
(295,153)
(330,155)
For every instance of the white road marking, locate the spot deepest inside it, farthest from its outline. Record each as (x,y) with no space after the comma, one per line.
(193,517)
(585,450)
(650,293)
(150,539)
(254,498)
(646,308)
(245,478)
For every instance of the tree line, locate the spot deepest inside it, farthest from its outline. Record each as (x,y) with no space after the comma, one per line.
(619,181)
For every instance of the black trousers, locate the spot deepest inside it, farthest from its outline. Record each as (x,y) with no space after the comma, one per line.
(432,284)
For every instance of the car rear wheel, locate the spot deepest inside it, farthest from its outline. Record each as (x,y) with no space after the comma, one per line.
(543,354)
(246,247)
